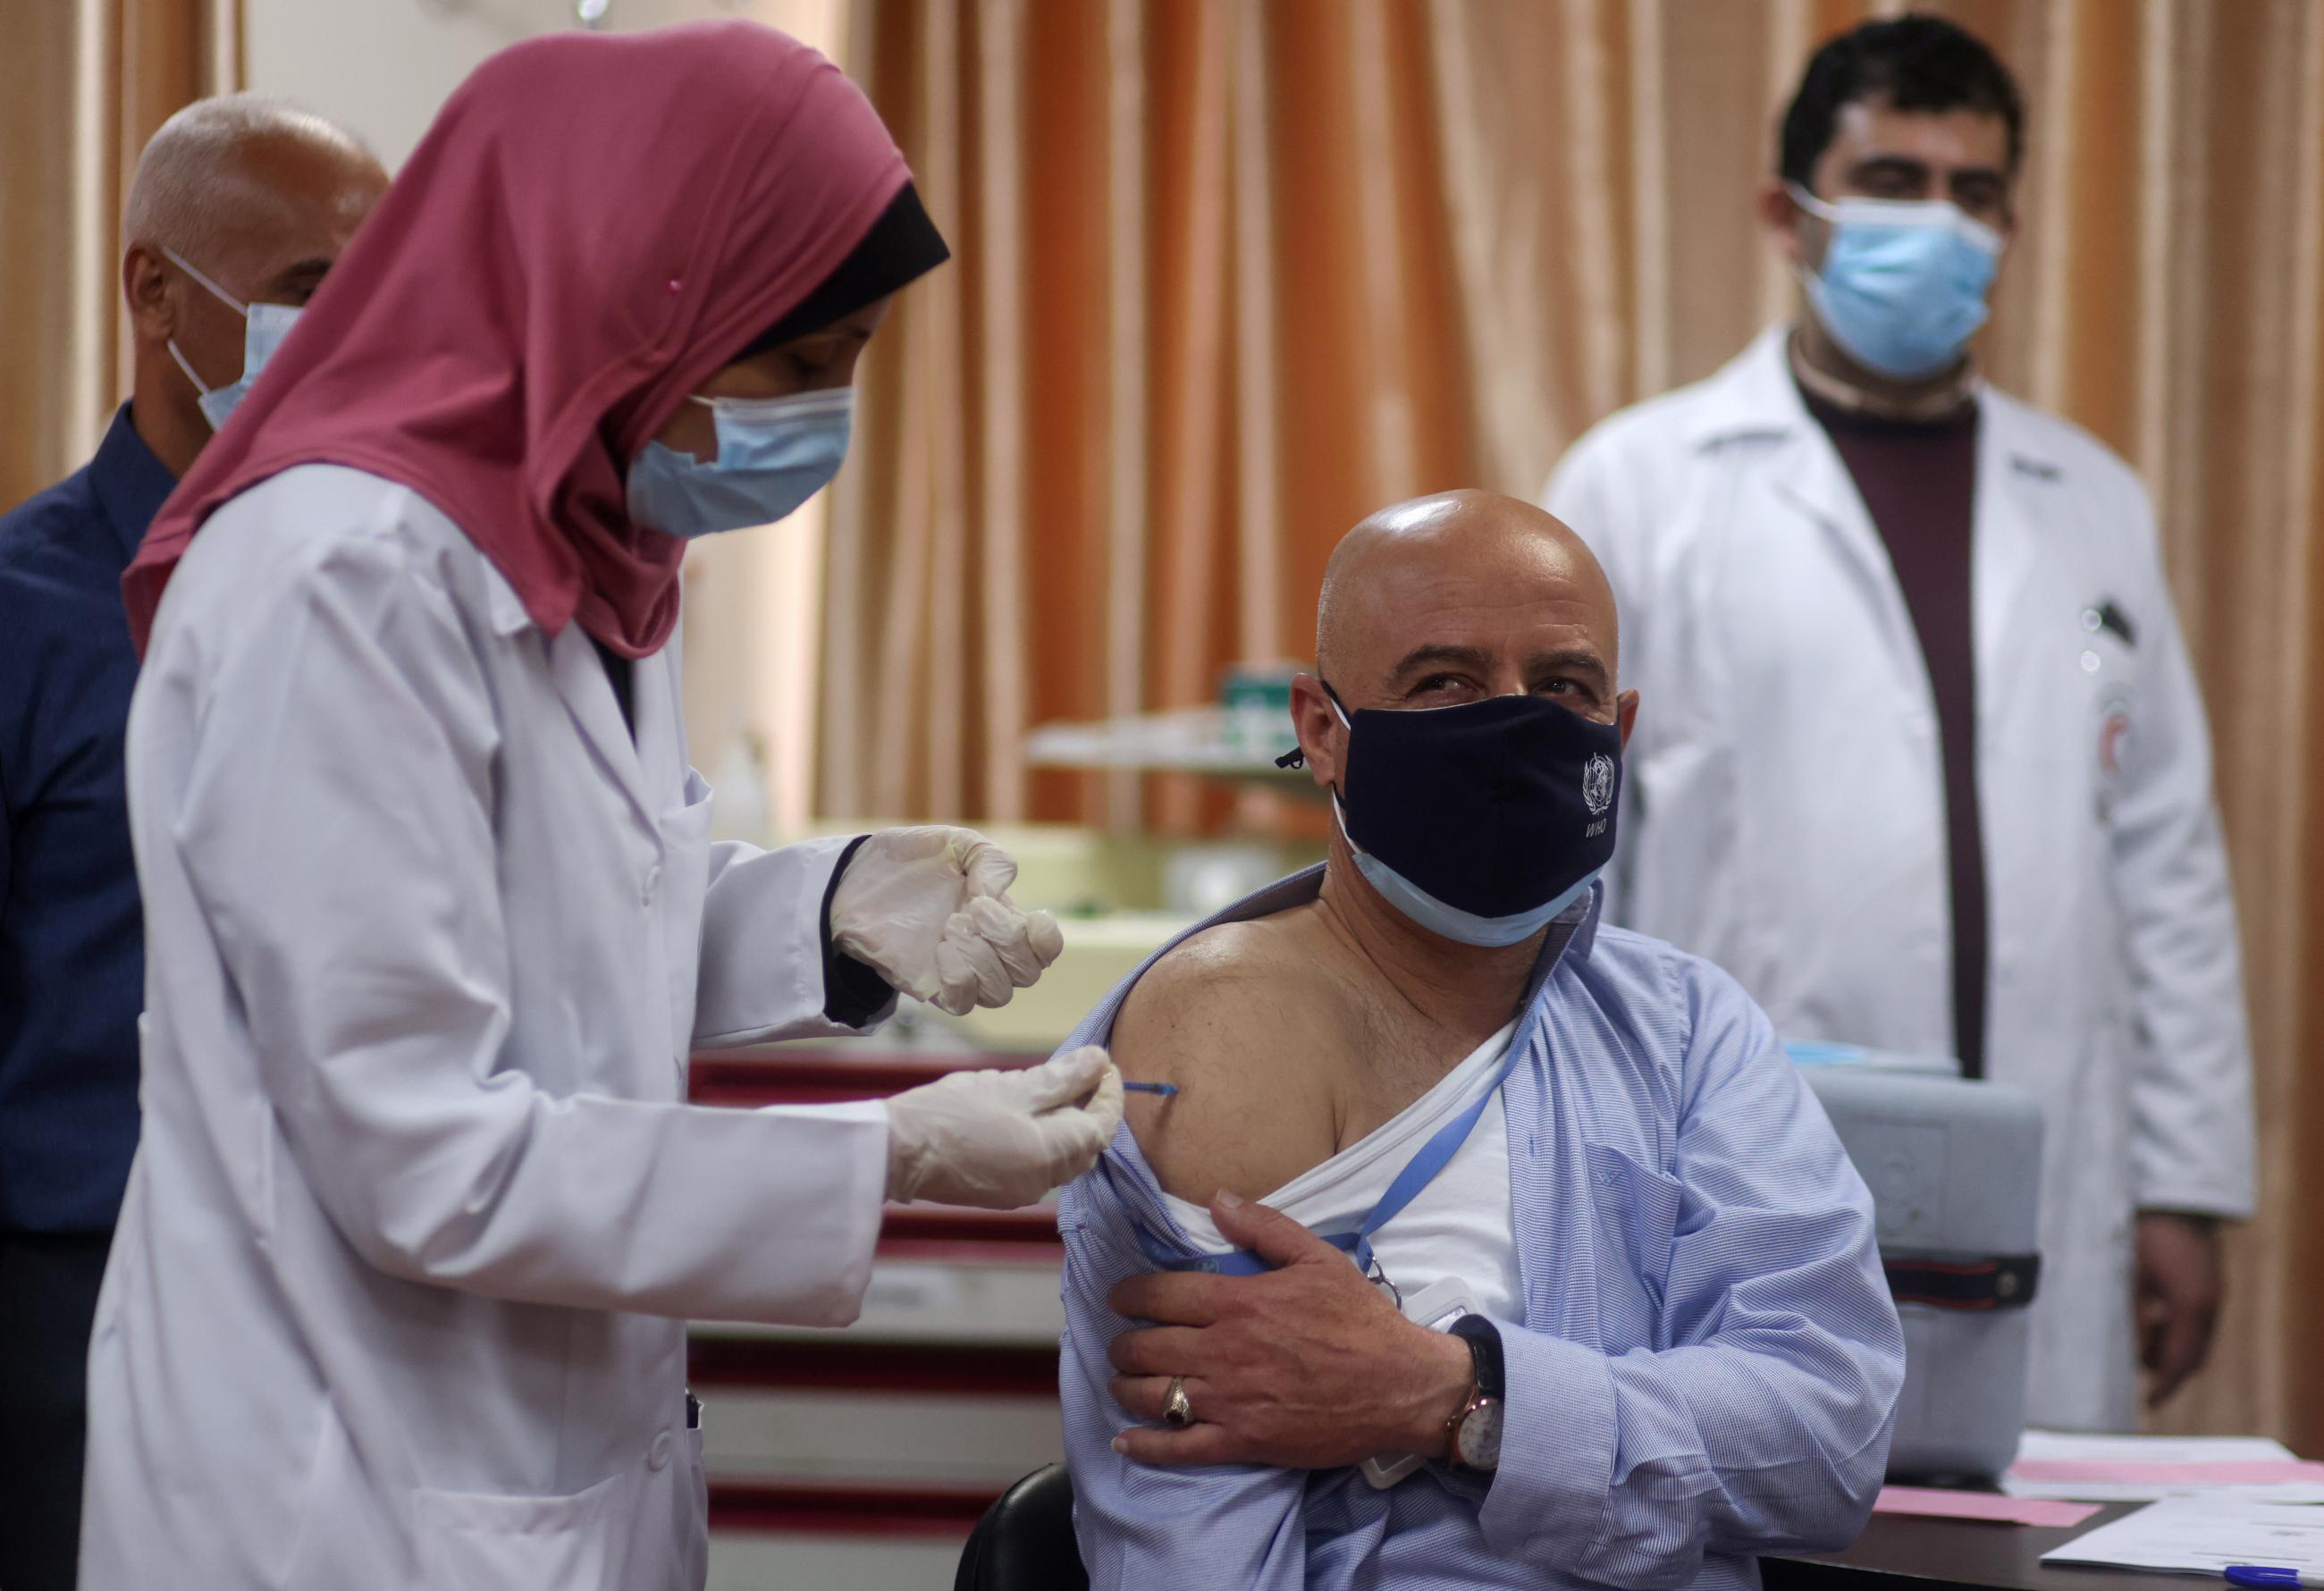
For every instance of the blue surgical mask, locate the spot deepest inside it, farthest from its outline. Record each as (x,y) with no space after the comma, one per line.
(773,455)
(1903,283)
(264,327)
(1484,822)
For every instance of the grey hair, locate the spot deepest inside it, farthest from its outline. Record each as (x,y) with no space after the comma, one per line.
(192,164)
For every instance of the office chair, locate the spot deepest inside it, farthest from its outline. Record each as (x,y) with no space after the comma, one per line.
(1025,1542)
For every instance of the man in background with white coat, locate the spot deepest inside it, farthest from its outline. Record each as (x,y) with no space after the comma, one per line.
(1932,771)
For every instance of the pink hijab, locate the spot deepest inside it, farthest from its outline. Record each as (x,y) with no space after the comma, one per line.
(595,224)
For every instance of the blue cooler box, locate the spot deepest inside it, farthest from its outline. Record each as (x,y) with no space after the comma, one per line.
(1955,1170)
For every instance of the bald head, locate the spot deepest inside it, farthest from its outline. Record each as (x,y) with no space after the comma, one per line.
(1453,599)
(1451,579)
(254,194)
(224,169)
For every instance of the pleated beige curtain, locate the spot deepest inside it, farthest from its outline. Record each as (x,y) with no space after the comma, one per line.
(1232,272)
(1101,454)
(83,85)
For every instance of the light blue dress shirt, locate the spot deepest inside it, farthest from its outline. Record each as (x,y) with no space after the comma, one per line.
(1709,1362)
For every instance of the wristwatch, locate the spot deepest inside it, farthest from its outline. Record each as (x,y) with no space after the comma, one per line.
(1474,1433)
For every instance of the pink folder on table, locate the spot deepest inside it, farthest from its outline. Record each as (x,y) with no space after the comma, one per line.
(1932,1502)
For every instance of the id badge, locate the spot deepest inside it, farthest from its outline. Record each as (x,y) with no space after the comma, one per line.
(1436,1306)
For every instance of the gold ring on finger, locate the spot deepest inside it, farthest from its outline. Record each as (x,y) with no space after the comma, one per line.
(1177,1409)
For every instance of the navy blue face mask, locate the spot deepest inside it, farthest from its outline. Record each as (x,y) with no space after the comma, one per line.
(1482,822)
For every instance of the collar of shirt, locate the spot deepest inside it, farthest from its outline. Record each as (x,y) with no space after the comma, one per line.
(130,482)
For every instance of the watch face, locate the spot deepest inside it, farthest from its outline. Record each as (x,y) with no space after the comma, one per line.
(1477,1443)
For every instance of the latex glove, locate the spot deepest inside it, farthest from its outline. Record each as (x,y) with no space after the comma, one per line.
(1002,1139)
(928,910)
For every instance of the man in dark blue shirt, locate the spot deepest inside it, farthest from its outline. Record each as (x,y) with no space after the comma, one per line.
(238,202)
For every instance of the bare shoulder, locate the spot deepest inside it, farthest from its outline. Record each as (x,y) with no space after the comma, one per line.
(1241,1018)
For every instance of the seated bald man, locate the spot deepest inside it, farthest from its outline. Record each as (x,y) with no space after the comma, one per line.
(1480,1244)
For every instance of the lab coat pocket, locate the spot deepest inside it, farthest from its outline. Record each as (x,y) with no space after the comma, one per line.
(689,1518)
(685,846)
(1636,1212)
(698,1488)
(477,1541)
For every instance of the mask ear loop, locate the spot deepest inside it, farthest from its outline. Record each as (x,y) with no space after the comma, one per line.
(1823,209)
(201,386)
(182,263)
(1819,209)
(224,296)
(1296,757)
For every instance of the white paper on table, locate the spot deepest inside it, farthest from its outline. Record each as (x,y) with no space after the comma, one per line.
(2119,1492)
(2062,1445)
(2205,1536)
(2067,1447)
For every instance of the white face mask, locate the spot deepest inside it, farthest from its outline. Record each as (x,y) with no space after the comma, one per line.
(264,327)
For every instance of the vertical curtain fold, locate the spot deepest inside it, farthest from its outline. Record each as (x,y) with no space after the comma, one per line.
(1129,502)
(1000,275)
(1256,544)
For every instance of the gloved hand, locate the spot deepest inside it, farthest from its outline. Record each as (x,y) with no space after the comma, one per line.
(1002,1139)
(928,910)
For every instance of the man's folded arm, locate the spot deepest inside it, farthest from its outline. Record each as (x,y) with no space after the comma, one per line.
(1762,1421)
(1144,1525)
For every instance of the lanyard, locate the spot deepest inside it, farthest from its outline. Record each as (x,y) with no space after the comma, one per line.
(1418,1173)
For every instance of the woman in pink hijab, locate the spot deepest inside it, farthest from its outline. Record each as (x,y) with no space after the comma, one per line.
(433,920)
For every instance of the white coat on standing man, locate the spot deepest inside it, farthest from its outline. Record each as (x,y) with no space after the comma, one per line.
(1787,790)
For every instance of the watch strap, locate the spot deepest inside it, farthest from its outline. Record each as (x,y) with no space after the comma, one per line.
(1486,1394)
(1484,1340)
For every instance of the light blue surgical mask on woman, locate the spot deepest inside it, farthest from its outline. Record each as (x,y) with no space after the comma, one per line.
(1903,281)
(773,455)
(264,327)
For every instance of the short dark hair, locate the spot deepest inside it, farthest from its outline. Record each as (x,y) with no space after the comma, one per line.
(1914,64)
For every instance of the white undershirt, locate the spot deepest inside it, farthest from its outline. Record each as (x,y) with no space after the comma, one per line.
(1459,1226)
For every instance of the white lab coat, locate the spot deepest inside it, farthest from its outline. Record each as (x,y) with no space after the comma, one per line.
(397,1294)
(1784,808)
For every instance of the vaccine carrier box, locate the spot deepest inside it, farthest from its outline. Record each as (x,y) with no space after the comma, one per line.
(1955,1170)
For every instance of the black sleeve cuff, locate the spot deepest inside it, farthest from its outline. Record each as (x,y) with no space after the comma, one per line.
(852,993)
